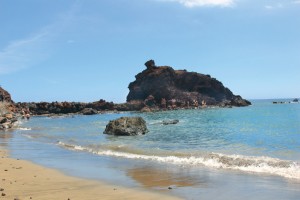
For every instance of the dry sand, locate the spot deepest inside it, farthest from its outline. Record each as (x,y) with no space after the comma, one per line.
(22,180)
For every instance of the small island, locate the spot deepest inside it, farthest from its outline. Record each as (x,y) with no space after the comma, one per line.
(162,87)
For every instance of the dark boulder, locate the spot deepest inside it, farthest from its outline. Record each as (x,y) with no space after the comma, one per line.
(89,111)
(126,126)
(3,120)
(7,121)
(168,122)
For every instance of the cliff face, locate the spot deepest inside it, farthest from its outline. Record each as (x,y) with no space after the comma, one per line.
(5,96)
(6,103)
(7,109)
(184,87)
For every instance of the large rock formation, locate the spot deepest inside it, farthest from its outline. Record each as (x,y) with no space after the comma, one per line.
(6,103)
(5,96)
(126,126)
(166,87)
(7,109)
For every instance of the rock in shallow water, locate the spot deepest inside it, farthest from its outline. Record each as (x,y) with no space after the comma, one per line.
(168,122)
(126,126)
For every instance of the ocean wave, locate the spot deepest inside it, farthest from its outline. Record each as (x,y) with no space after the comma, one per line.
(24,129)
(250,164)
(28,136)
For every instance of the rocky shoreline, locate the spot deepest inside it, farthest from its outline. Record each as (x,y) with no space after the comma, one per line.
(285,102)
(7,121)
(157,88)
(8,114)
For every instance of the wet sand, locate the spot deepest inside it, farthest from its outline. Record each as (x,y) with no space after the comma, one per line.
(20,179)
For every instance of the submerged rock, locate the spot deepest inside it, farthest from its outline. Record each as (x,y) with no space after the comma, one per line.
(126,126)
(168,122)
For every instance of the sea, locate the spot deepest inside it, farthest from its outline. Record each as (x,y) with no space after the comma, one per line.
(211,153)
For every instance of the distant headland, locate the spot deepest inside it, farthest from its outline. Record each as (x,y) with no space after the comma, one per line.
(155,88)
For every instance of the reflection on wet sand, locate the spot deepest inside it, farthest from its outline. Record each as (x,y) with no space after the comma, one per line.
(161,178)
(5,136)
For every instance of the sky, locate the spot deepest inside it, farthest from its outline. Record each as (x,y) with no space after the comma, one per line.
(86,50)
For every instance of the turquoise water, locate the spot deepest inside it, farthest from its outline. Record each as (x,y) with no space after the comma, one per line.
(235,151)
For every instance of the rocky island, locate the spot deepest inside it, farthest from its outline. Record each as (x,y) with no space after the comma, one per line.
(164,87)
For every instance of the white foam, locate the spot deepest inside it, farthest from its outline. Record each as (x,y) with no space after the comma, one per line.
(24,129)
(28,136)
(266,165)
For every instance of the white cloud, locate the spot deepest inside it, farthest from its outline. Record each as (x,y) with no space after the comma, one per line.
(269,7)
(275,6)
(296,2)
(195,3)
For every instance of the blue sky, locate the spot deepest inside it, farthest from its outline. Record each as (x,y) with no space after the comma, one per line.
(84,50)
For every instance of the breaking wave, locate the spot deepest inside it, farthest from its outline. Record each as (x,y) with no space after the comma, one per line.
(24,129)
(252,164)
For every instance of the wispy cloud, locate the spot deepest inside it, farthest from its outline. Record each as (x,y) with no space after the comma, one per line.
(198,3)
(33,49)
(23,53)
(274,6)
(280,5)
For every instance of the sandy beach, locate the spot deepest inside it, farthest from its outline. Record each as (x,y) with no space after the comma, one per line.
(22,180)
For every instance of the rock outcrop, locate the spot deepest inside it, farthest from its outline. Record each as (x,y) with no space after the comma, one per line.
(156,88)
(7,121)
(165,87)
(45,108)
(126,126)
(7,109)
(89,111)
(5,96)
(130,106)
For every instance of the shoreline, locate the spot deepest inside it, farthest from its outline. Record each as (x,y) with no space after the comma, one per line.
(21,179)
(36,141)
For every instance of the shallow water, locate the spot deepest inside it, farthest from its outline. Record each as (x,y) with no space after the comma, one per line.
(251,152)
